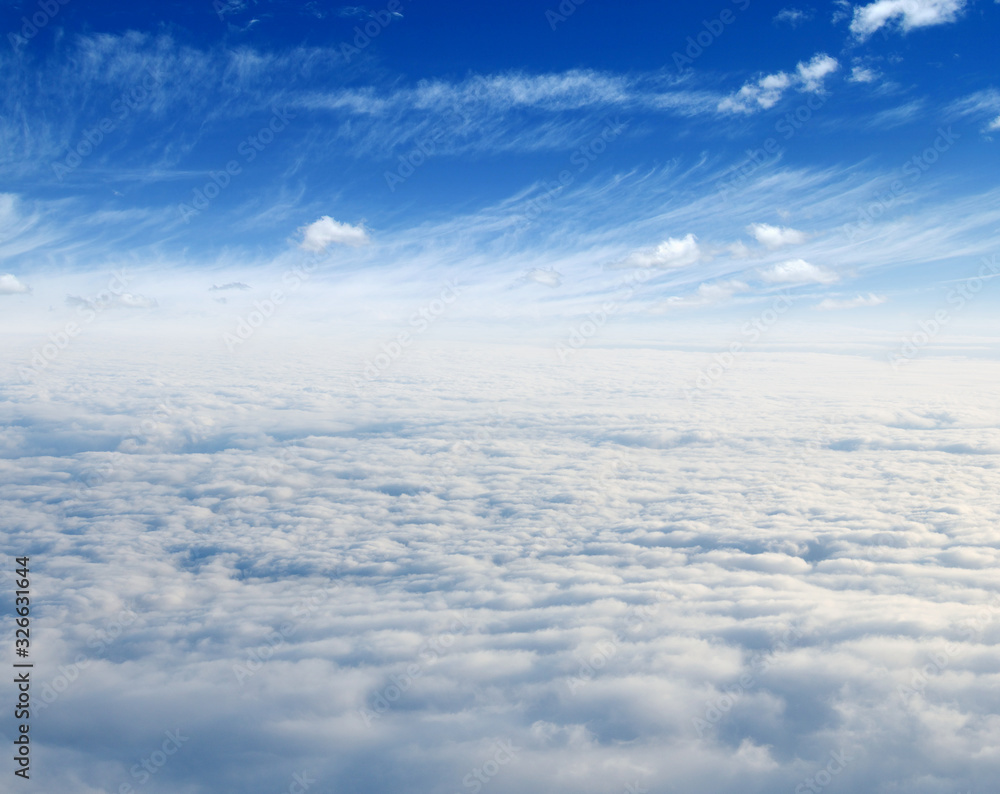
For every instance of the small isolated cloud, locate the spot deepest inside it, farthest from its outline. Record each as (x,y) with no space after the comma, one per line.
(12,285)
(909,14)
(761,95)
(812,74)
(671,253)
(793,16)
(352,11)
(708,294)
(768,90)
(798,271)
(230,285)
(548,277)
(775,236)
(326,231)
(830,304)
(994,125)
(861,74)
(129,301)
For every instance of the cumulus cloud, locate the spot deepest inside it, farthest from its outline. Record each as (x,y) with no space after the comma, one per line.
(766,91)
(761,95)
(798,271)
(909,13)
(775,236)
(811,74)
(829,304)
(671,253)
(12,285)
(862,74)
(326,231)
(375,592)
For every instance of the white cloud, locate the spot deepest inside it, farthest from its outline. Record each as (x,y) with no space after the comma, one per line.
(709,294)
(761,95)
(326,231)
(775,236)
(812,74)
(862,74)
(12,285)
(829,304)
(983,104)
(537,573)
(768,90)
(798,271)
(793,16)
(910,13)
(671,253)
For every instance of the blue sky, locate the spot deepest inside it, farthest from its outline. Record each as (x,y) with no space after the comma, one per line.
(866,131)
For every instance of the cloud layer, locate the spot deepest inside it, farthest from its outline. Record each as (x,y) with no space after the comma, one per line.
(384,589)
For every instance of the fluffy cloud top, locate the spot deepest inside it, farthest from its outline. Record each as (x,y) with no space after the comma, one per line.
(811,75)
(326,231)
(798,271)
(375,591)
(767,90)
(671,253)
(910,13)
(775,236)
(12,285)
